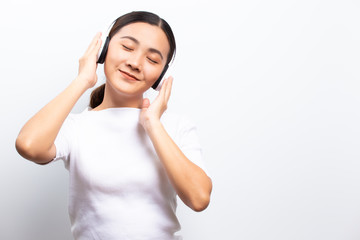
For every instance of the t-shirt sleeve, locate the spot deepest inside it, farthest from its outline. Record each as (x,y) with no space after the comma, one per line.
(64,139)
(190,143)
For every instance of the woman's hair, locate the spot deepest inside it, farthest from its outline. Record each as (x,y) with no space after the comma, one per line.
(97,95)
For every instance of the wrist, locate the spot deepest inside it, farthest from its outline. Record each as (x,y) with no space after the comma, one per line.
(81,83)
(152,125)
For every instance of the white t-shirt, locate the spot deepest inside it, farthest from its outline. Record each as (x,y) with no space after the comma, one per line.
(118,187)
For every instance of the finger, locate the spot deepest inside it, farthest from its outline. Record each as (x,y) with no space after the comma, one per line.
(162,90)
(162,93)
(168,88)
(95,41)
(96,48)
(146,103)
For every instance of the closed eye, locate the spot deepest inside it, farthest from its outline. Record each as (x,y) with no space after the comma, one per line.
(127,48)
(151,60)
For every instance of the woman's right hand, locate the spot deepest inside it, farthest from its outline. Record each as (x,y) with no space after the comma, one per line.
(36,139)
(88,62)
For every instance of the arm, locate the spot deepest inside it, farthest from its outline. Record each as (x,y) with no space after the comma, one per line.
(191,183)
(35,141)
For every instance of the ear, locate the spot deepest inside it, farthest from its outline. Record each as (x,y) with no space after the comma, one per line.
(103,51)
(157,84)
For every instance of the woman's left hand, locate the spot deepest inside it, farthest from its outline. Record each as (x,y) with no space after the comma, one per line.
(151,113)
(190,182)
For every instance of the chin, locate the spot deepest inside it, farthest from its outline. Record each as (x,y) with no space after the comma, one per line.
(122,87)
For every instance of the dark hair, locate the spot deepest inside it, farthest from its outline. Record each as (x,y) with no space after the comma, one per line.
(97,95)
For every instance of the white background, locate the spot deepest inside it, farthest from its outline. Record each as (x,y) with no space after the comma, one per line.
(273,86)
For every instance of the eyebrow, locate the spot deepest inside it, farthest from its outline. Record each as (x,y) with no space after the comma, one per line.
(153,50)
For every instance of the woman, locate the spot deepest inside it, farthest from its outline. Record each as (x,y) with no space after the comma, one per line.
(127,160)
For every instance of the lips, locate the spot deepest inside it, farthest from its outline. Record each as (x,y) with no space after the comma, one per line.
(128,76)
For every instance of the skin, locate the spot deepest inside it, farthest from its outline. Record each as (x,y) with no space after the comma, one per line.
(136,56)
(139,50)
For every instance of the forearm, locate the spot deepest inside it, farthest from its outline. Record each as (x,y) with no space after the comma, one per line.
(191,183)
(37,137)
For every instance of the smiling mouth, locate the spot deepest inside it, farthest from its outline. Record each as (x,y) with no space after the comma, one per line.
(129,76)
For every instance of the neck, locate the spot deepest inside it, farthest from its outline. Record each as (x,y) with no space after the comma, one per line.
(118,99)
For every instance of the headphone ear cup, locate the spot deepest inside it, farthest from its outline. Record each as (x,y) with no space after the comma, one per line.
(103,51)
(158,83)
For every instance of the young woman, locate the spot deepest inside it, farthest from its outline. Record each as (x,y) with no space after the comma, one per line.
(127,159)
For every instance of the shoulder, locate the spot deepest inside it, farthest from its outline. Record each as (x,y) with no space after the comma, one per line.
(178,125)
(74,118)
(175,120)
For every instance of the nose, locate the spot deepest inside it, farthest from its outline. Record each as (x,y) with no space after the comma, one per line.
(134,62)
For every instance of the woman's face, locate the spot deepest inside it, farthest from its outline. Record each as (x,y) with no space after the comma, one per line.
(136,56)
